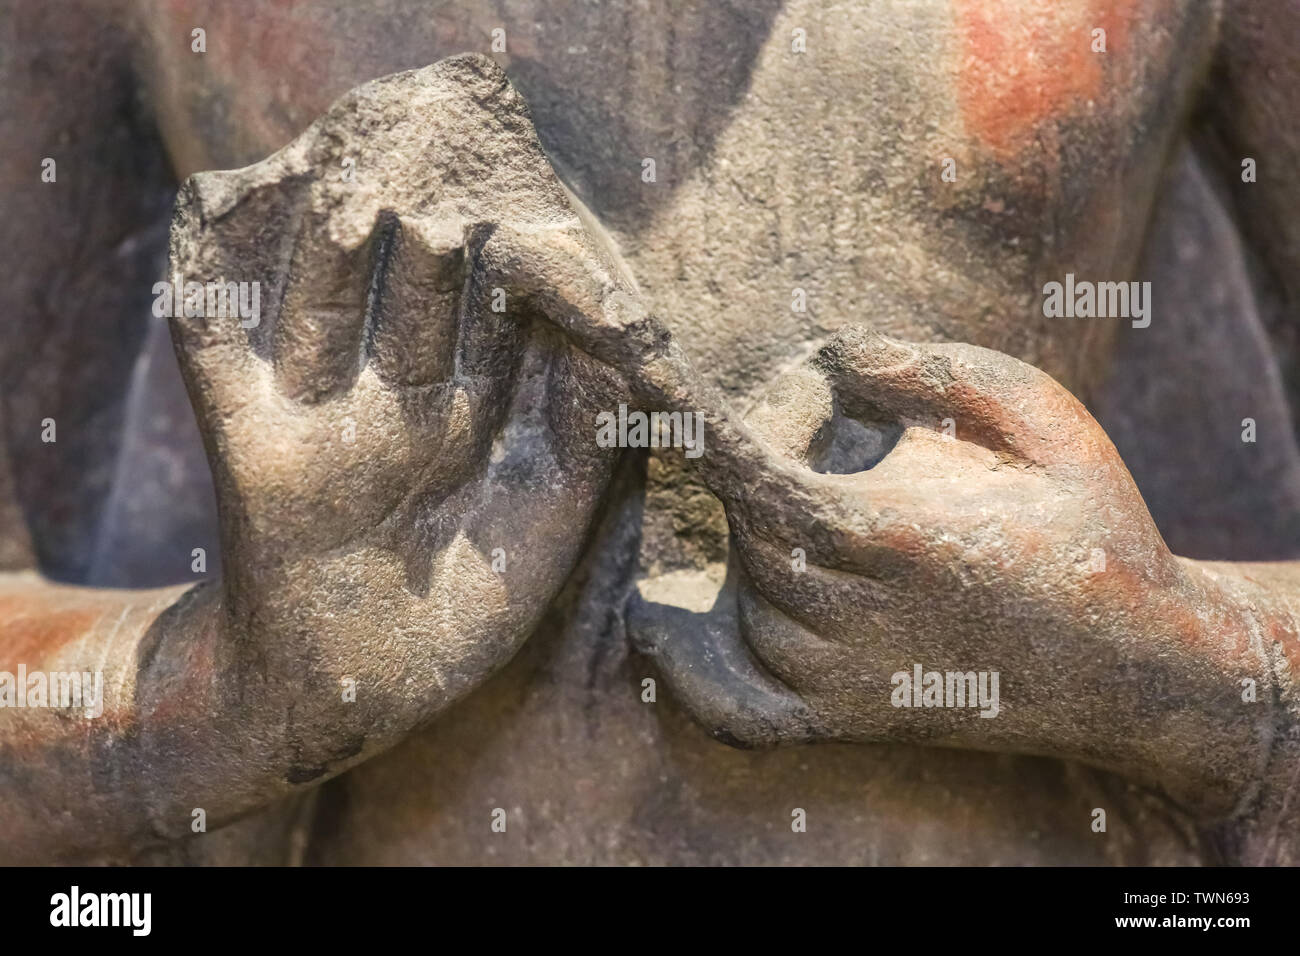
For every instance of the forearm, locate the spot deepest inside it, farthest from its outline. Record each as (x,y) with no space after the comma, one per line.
(1193,694)
(178,709)
(1188,688)
(69,774)
(230,695)
(1265,826)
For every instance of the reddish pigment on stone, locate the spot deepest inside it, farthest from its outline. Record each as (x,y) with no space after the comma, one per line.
(1024,64)
(33,629)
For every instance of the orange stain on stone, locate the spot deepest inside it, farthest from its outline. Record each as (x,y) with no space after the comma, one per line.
(29,630)
(1025,63)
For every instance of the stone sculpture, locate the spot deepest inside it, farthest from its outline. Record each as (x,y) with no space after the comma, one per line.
(898,541)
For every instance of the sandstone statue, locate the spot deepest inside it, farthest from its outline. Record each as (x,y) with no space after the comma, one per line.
(647,426)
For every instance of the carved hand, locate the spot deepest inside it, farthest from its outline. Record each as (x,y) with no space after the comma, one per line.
(402,447)
(1001,534)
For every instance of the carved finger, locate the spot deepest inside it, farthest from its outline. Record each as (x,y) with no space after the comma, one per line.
(493,316)
(794,415)
(984,396)
(582,295)
(223,235)
(714,675)
(318,333)
(414,306)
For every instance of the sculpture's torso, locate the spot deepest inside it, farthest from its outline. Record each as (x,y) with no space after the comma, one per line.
(775,170)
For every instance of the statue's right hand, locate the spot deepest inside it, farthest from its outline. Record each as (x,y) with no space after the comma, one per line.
(405,460)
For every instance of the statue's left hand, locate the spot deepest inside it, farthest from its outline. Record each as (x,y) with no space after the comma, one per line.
(1000,536)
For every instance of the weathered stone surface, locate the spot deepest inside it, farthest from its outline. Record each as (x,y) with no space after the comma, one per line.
(774,172)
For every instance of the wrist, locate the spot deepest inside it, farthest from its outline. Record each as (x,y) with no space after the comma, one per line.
(1186,690)
(1264,828)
